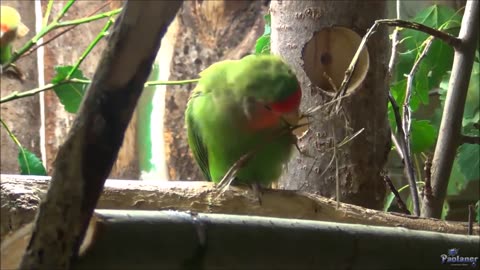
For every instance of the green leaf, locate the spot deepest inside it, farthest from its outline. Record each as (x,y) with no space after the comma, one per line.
(471,113)
(69,94)
(469,161)
(398,92)
(268,24)
(445,210)
(29,163)
(440,56)
(263,45)
(423,135)
(388,201)
(457,181)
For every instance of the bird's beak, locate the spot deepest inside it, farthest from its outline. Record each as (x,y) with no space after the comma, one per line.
(295,118)
(292,117)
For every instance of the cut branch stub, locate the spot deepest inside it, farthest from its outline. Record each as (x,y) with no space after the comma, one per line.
(328,54)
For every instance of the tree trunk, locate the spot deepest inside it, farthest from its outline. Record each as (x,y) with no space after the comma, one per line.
(85,159)
(208,31)
(302,34)
(21,116)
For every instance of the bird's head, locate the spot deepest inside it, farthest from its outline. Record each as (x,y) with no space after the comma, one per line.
(10,25)
(273,88)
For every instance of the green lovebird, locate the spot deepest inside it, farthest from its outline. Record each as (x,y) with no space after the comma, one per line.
(242,106)
(11,27)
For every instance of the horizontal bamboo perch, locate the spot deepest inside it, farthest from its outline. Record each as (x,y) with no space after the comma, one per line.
(129,239)
(20,196)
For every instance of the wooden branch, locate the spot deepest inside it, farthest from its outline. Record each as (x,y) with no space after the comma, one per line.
(443,36)
(19,195)
(401,204)
(451,124)
(85,159)
(407,124)
(177,240)
(469,139)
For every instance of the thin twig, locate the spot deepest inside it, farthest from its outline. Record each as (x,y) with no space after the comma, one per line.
(18,144)
(469,139)
(27,46)
(330,81)
(428,177)
(391,64)
(406,122)
(232,172)
(401,204)
(348,139)
(446,37)
(443,36)
(72,26)
(398,121)
(47,13)
(393,54)
(471,217)
(337,173)
(398,148)
(17,95)
(90,47)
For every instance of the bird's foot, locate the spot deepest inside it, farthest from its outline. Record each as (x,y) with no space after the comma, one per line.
(14,71)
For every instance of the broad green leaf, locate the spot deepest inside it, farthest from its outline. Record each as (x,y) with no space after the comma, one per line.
(423,135)
(268,24)
(263,45)
(69,94)
(469,161)
(445,210)
(398,90)
(388,201)
(421,85)
(456,182)
(440,56)
(29,163)
(471,113)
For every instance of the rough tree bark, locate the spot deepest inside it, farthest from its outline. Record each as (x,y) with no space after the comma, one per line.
(87,156)
(207,32)
(301,34)
(21,116)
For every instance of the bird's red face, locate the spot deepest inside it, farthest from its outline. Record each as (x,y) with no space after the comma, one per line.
(3,29)
(271,115)
(288,105)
